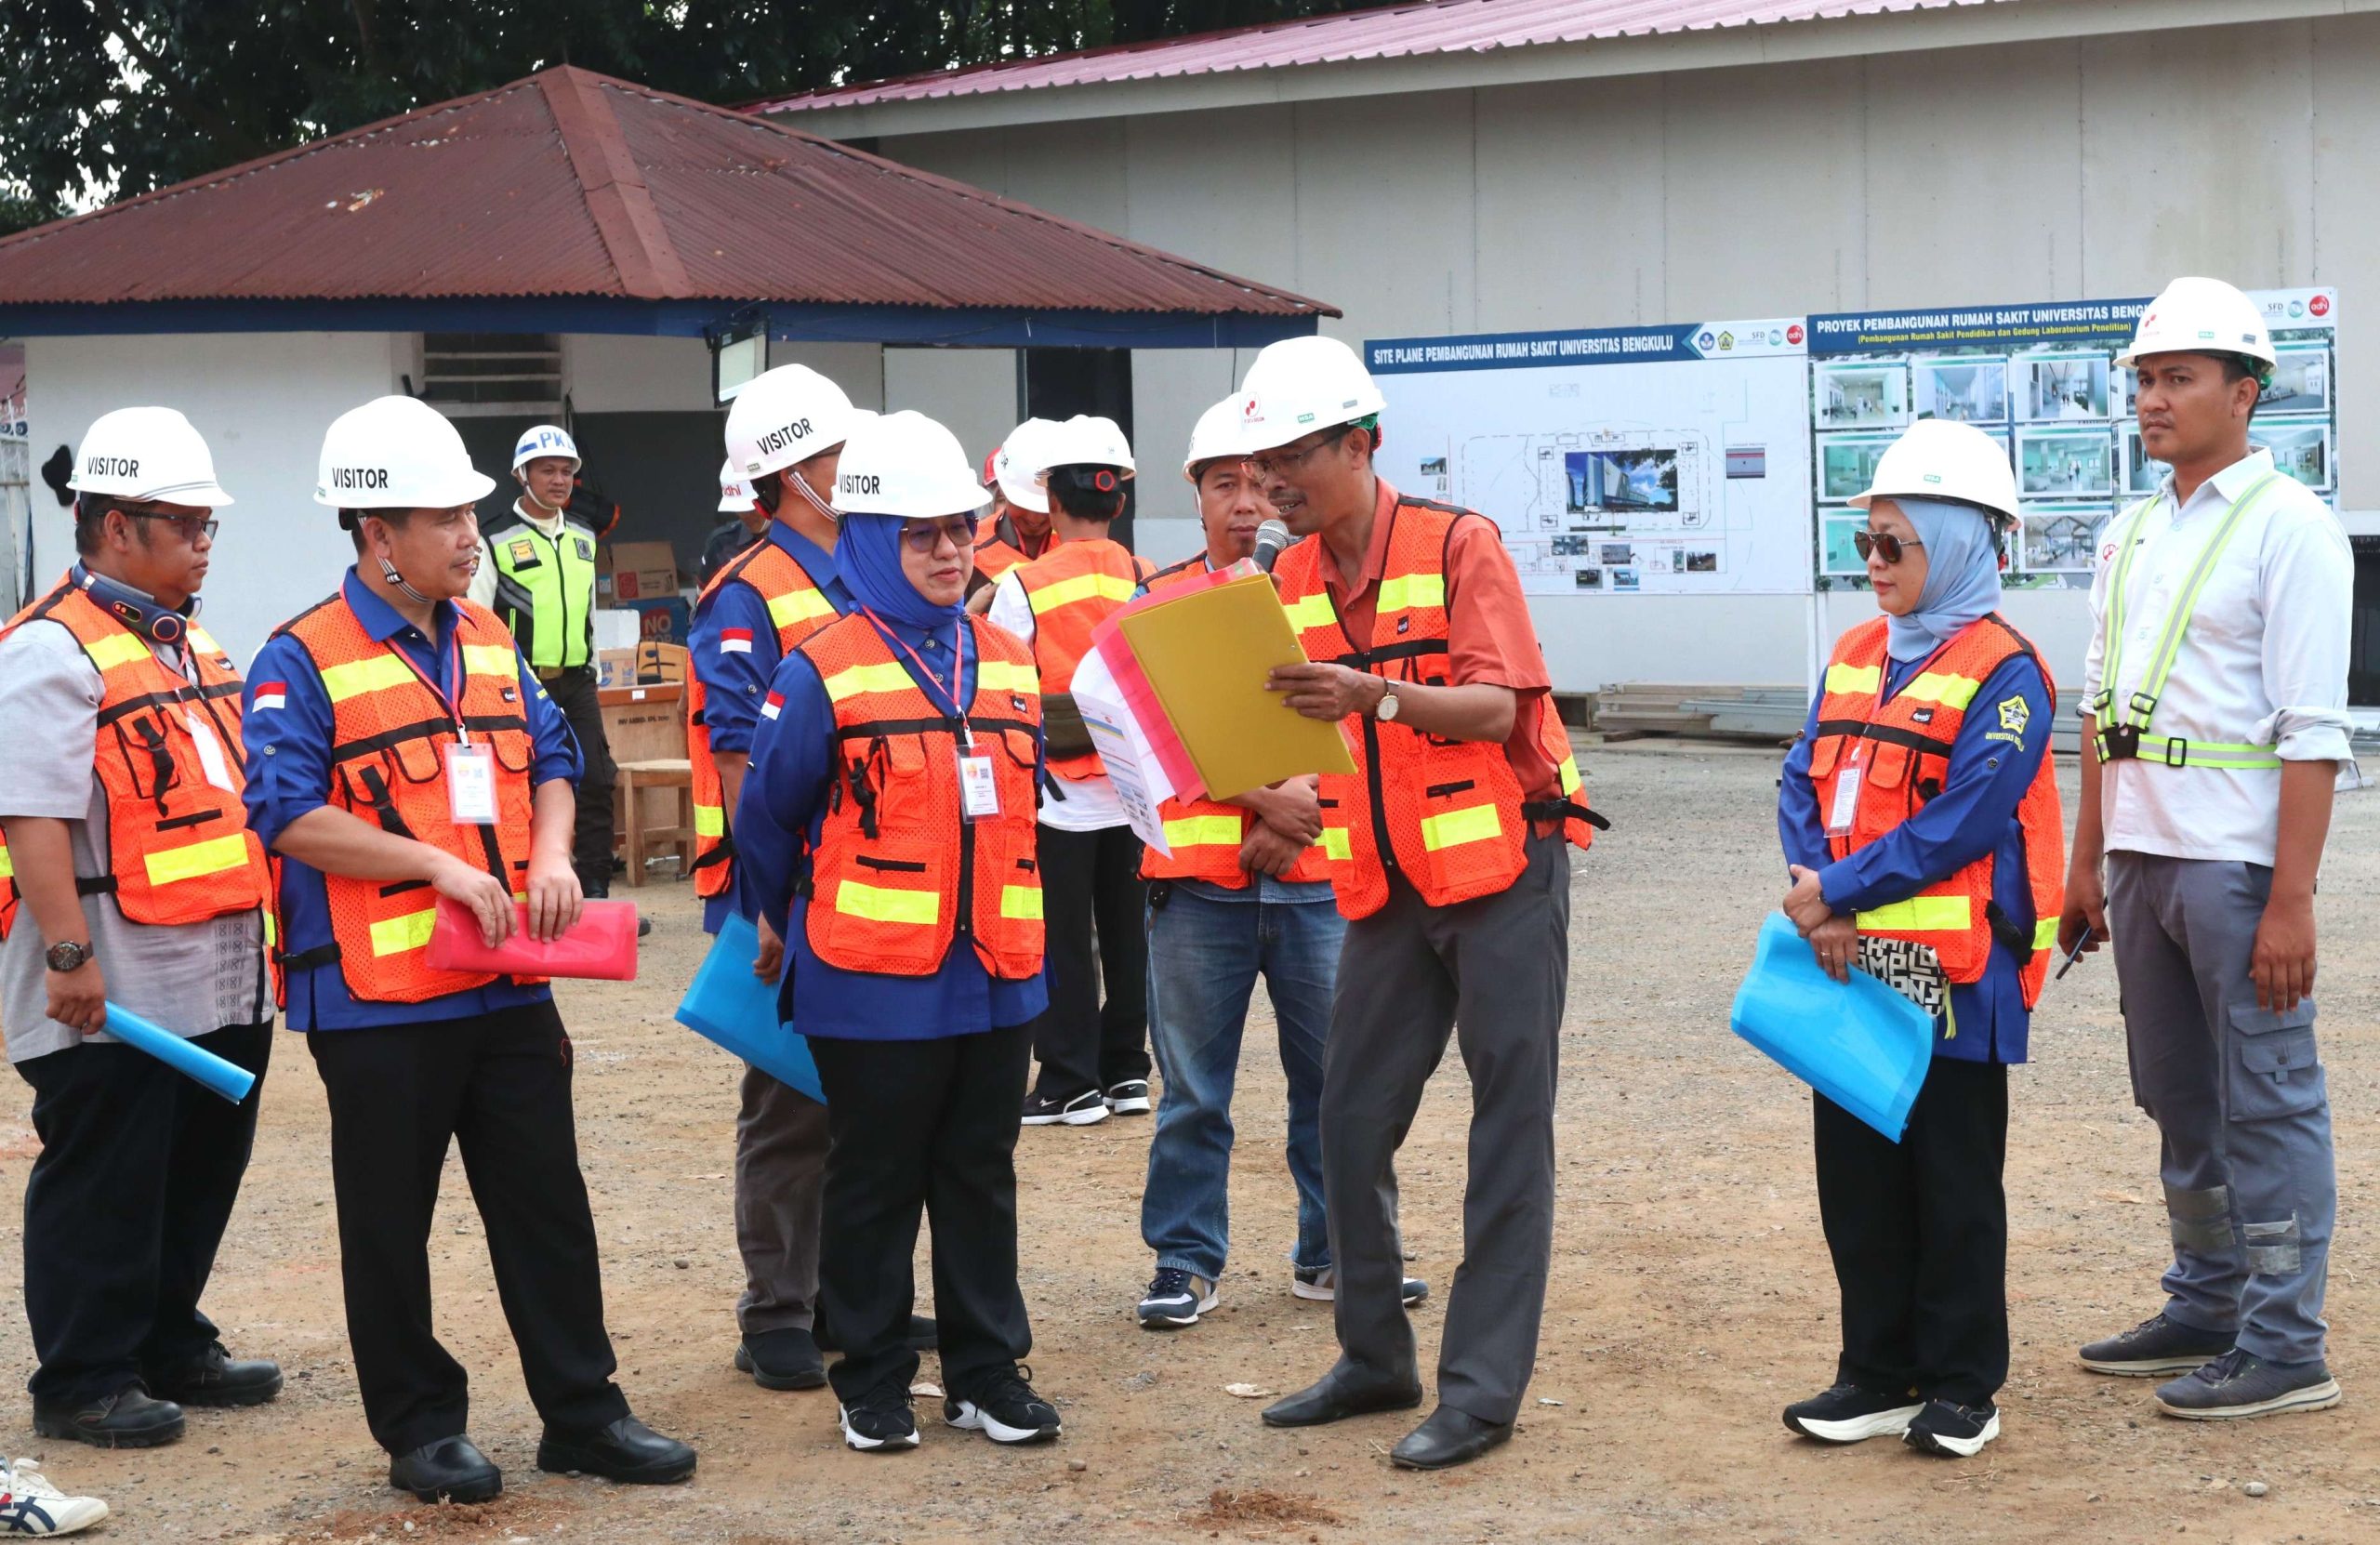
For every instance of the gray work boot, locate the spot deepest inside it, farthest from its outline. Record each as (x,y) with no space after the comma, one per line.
(2155,1345)
(2240,1384)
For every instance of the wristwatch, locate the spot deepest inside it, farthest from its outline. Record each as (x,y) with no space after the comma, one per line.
(69,957)
(1386,709)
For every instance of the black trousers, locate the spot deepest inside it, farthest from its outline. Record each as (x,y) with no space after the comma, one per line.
(591,852)
(1091,882)
(126,1203)
(499,1085)
(1919,1232)
(927,1125)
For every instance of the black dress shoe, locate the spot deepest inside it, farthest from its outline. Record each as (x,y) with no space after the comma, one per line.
(128,1418)
(1449,1437)
(452,1469)
(214,1378)
(784,1359)
(924,1334)
(1341,1393)
(627,1450)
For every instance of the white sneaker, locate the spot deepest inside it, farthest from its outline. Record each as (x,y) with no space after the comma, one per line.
(1320,1284)
(30,1505)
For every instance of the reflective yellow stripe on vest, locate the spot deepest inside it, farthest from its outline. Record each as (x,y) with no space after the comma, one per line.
(884,675)
(1335,845)
(1313,611)
(710,820)
(1920,914)
(1003,676)
(1934,686)
(2044,934)
(555,578)
(881,904)
(1454,827)
(803,606)
(490,660)
(1204,831)
(396,935)
(1407,591)
(7,865)
(1849,679)
(1083,586)
(116,649)
(1021,901)
(197,859)
(357,676)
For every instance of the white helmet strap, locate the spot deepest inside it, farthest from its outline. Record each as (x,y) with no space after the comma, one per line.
(790,477)
(403,586)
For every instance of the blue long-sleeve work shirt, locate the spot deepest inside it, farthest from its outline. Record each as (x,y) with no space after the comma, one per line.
(777,825)
(1975,813)
(733,648)
(289,733)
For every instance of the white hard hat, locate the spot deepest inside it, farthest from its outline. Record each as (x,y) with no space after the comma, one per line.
(1014,469)
(2201,316)
(545,439)
(906,464)
(1941,458)
(1215,437)
(735,493)
(784,415)
(1083,441)
(396,453)
(147,454)
(1300,385)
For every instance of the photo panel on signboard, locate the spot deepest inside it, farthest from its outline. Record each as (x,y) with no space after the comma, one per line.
(2055,388)
(1838,555)
(2061,538)
(1965,389)
(2068,464)
(2142,472)
(1637,478)
(2123,392)
(1847,463)
(2301,382)
(1862,394)
(2301,451)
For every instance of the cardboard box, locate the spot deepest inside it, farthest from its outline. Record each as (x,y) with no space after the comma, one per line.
(642,571)
(614,667)
(661,661)
(666,620)
(644,723)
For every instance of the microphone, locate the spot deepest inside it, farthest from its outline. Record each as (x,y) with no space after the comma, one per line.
(1271,538)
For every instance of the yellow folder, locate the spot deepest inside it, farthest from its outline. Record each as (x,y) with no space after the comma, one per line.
(1205,653)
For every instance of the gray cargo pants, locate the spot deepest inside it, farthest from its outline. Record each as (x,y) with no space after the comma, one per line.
(1493,971)
(780,1186)
(2238,1096)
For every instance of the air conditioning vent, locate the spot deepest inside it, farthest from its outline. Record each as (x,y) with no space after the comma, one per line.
(490,374)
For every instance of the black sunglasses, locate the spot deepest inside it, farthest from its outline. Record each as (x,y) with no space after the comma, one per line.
(1866,542)
(193,527)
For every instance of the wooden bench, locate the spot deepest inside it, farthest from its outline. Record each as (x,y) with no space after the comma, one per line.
(639,840)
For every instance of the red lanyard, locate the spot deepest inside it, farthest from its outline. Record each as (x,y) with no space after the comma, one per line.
(452,701)
(925,676)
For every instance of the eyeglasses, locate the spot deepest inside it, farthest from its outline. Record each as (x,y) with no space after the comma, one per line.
(1280,463)
(1880,542)
(926,535)
(193,527)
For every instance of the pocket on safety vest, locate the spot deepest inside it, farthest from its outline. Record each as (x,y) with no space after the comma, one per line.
(2272,1068)
(882,908)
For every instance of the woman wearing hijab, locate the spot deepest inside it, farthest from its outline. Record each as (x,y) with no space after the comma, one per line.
(887,832)
(1920,818)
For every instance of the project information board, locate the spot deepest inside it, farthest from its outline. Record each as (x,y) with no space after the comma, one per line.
(1655,460)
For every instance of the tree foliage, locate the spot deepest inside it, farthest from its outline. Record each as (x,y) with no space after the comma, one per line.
(106,99)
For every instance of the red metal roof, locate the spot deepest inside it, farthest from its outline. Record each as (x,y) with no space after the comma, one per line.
(1431,27)
(570,183)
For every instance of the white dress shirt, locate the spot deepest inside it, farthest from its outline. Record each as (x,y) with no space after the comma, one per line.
(1092,804)
(2263,662)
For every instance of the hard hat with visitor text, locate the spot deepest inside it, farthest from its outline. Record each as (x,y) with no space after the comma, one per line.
(784,415)
(906,464)
(146,453)
(1941,458)
(2201,316)
(1016,472)
(545,439)
(1300,385)
(396,453)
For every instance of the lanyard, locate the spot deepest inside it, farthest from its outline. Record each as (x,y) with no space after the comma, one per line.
(925,676)
(453,702)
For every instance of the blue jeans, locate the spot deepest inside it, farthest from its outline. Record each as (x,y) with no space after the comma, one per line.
(1204,956)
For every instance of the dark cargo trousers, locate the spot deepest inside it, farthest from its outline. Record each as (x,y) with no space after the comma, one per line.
(1492,971)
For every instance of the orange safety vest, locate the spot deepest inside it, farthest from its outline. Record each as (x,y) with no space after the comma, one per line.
(798,608)
(1072,590)
(1453,809)
(1903,750)
(1206,834)
(179,847)
(898,871)
(1000,548)
(390,730)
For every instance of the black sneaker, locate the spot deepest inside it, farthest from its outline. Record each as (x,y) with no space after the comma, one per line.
(1952,1431)
(1004,1409)
(2240,1384)
(1320,1284)
(1129,1098)
(785,1359)
(1176,1298)
(1849,1413)
(1081,1110)
(2155,1345)
(880,1420)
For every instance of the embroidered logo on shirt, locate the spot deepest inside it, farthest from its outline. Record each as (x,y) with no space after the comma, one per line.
(2015,715)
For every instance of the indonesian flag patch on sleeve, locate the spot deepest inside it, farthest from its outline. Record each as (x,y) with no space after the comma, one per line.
(273,695)
(769,709)
(735,641)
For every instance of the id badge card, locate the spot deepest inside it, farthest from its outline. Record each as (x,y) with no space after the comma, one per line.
(1846,800)
(471,785)
(979,792)
(211,760)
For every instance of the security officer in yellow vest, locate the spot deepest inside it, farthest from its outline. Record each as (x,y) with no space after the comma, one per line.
(538,574)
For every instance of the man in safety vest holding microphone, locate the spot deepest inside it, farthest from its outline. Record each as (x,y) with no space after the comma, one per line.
(127,876)
(1446,848)
(400,751)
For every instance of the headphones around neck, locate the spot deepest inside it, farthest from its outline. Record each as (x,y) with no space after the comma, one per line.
(157,624)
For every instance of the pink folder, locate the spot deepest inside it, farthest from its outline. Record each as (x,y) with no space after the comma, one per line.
(600,946)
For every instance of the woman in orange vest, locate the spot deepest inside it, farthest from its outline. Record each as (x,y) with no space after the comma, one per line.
(1095,1057)
(1919,814)
(886,833)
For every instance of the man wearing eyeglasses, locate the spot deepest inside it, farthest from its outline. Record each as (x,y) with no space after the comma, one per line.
(129,877)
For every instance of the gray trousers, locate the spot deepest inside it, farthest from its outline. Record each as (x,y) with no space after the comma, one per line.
(780,1186)
(1492,971)
(2239,1099)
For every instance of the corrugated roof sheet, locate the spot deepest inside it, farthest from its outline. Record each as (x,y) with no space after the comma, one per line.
(570,183)
(1433,27)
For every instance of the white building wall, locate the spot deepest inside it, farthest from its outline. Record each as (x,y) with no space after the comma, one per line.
(2025,172)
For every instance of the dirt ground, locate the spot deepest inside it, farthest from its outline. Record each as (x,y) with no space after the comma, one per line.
(1691,1296)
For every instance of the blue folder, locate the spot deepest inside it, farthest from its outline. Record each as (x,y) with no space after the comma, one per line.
(1858,1043)
(730,1007)
(226,1078)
